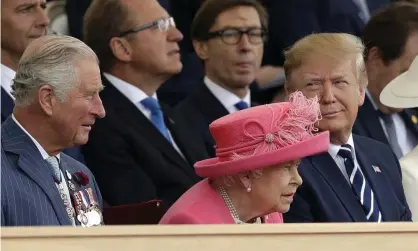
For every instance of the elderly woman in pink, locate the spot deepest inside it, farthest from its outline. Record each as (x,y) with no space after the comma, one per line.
(254,175)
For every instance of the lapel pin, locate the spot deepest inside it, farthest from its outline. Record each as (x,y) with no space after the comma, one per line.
(414,119)
(376,169)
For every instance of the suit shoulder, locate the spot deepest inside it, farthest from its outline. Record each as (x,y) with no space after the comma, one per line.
(373,144)
(75,163)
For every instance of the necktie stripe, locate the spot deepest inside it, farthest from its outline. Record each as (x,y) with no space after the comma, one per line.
(371,209)
(363,187)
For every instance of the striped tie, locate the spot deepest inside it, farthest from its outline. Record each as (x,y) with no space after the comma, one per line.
(360,185)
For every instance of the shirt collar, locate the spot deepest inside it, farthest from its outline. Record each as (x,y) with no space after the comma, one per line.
(40,148)
(131,92)
(334,149)
(372,100)
(7,75)
(227,98)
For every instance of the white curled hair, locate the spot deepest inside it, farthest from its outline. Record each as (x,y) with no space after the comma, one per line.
(231,180)
(53,63)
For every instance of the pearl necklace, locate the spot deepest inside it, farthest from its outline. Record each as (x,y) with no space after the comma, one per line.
(232,209)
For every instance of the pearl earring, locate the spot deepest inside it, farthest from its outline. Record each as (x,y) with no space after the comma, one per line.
(249,189)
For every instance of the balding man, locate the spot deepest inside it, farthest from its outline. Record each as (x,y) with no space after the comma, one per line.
(57,101)
(142,145)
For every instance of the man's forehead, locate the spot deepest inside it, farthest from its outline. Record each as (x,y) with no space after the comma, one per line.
(145,11)
(24,2)
(240,16)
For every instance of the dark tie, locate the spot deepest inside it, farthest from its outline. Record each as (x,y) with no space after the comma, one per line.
(360,185)
(241,105)
(55,167)
(157,117)
(391,131)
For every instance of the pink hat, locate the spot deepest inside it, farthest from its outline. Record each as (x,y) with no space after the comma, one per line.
(263,136)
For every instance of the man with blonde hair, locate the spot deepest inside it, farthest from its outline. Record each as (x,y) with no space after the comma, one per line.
(358,179)
(56,92)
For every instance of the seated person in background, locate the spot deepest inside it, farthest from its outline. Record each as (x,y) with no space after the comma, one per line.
(255,174)
(358,179)
(22,21)
(391,44)
(142,150)
(228,36)
(56,88)
(402,92)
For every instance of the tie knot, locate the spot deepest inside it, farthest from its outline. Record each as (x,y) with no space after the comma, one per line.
(346,151)
(241,105)
(151,104)
(56,173)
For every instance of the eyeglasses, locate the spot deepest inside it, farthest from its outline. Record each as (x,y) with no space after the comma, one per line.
(232,36)
(163,24)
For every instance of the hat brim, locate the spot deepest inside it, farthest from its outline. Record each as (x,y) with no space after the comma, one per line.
(402,92)
(214,168)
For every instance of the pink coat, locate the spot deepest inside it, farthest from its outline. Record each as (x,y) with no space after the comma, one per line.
(203,205)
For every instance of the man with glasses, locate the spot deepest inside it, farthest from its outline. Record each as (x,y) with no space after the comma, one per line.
(229,37)
(141,150)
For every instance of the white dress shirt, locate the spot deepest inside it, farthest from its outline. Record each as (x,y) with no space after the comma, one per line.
(406,139)
(7,75)
(136,95)
(409,166)
(364,12)
(227,98)
(45,156)
(333,151)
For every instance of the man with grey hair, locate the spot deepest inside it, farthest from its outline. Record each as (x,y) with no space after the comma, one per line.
(56,92)
(23,21)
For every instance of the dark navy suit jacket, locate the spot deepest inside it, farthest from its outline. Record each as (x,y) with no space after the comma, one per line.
(368,125)
(7,106)
(29,196)
(326,196)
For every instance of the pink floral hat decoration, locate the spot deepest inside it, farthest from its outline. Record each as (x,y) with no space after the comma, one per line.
(264,136)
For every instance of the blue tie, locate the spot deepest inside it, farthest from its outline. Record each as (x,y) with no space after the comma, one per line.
(241,105)
(360,186)
(157,117)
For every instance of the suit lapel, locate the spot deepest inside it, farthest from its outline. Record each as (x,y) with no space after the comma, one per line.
(7,104)
(182,137)
(32,164)
(329,170)
(370,121)
(377,180)
(127,111)
(208,104)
